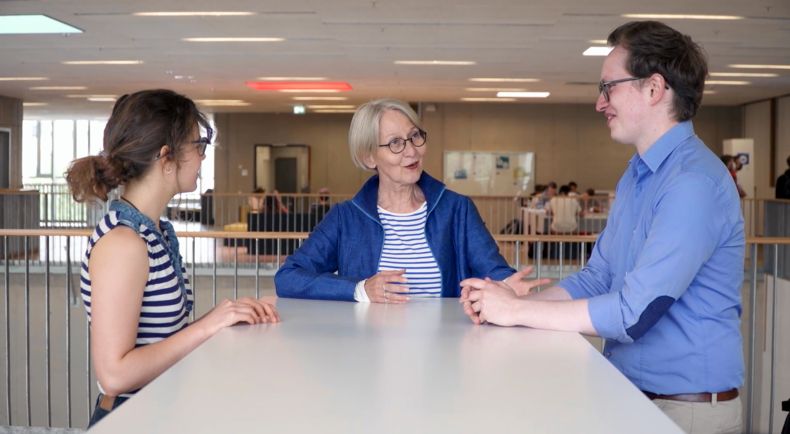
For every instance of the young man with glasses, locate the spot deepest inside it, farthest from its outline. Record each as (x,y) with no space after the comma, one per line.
(662,286)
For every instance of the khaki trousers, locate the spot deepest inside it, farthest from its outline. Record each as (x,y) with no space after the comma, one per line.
(705,417)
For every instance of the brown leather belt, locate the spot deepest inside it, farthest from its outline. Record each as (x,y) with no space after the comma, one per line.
(696,397)
(106,402)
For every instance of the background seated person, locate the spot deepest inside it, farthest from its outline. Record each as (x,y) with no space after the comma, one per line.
(323,202)
(588,203)
(403,235)
(274,204)
(256,200)
(542,199)
(566,212)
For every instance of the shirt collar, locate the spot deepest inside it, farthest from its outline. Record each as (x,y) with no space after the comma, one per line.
(665,145)
(367,197)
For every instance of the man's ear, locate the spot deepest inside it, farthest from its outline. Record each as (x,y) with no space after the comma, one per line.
(657,88)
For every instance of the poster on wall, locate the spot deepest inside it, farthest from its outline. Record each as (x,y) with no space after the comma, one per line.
(483,173)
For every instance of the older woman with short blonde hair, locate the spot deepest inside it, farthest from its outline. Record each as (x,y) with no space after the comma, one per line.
(403,235)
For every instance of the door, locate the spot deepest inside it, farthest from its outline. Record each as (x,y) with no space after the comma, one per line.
(5,143)
(285,175)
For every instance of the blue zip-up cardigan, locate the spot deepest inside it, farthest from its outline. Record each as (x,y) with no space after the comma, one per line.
(350,238)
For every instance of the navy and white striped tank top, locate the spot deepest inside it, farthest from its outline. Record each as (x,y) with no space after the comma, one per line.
(165,310)
(405,247)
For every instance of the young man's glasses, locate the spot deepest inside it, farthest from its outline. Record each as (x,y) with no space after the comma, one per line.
(417,139)
(201,143)
(604,87)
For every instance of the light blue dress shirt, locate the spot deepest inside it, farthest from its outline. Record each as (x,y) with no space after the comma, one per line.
(664,279)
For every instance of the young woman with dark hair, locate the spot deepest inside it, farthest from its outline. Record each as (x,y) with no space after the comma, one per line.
(133,283)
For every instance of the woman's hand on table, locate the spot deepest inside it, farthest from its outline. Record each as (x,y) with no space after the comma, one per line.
(230,312)
(384,288)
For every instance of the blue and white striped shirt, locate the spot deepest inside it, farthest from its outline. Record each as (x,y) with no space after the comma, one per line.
(163,312)
(405,247)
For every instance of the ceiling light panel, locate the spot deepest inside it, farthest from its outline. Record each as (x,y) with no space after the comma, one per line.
(297,86)
(33,24)
(436,62)
(59,88)
(291,78)
(492,89)
(743,74)
(761,66)
(319,98)
(233,39)
(102,62)
(23,78)
(727,82)
(488,99)
(523,94)
(193,14)
(505,80)
(682,17)
(598,51)
(324,107)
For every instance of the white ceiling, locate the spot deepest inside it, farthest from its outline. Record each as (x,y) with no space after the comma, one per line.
(358,41)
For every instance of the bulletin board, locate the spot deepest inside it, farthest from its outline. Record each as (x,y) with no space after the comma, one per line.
(475,173)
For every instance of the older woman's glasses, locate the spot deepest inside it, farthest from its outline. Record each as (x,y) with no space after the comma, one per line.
(417,139)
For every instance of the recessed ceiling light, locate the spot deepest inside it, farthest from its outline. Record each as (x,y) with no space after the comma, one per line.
(58,88)
(488,99)
(31,24)
(192,14)
(221,102)
(102,62)
(682,17)
(727,82)
(92,96)
(492,89)
(319,98)
(506,80)
(299,86)
(598,51)
(435,62)
(598,41)
(101,99)
(708,92)
(291,78)
(334,111)
(522,94)
(761,66)
(233,39)
(23,78)
(323,107)
(309,90)
(34,104)
(743,74)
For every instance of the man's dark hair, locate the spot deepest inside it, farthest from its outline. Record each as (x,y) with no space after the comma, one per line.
(552,185)
(788,160)
(655,48)
(591,192)
(565,189)
(572,184)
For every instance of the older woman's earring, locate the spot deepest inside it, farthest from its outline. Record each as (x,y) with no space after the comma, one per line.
(169,169)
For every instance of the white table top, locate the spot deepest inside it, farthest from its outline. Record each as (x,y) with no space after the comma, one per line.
(339,367)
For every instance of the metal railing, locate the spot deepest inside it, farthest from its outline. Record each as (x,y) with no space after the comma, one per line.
(48,377)
(229,211)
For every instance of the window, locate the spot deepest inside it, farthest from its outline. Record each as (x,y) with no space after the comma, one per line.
(48,147)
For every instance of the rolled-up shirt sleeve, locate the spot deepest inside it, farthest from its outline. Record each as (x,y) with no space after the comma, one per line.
(689,219)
